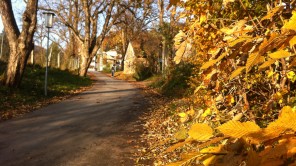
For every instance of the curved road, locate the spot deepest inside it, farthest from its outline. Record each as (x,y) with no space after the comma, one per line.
(92,128)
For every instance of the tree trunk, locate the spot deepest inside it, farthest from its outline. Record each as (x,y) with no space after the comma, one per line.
(20,43)
(161,24)
(85,61)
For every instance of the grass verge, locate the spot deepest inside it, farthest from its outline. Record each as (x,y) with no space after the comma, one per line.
(30,96)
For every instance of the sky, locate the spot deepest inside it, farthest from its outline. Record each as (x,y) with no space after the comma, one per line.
(18,6)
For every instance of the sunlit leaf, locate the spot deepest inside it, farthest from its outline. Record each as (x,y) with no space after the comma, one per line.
(291,23)
(225,2)
(237,72)
(180,52)
(181,134)
(279,54)
(292,42)
(286,119)
(272,12)
(208,64)
(200,132)
(239,40)
(213,62)
(237,129)
(253,57)
(214,51)
(202,18)
(267,63)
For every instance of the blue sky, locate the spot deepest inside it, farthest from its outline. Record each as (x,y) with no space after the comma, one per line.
(18,6)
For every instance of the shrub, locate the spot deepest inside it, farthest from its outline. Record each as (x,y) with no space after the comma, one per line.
(142,72)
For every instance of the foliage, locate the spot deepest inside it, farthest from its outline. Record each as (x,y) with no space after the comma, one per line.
(107,68)
(175,84)
(264,146)
(142,72)
(243,58)
(249,61)
(31,93)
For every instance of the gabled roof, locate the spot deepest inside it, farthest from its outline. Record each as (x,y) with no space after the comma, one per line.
(130,53)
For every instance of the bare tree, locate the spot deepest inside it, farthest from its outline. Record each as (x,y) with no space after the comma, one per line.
(89,22)
(20,42)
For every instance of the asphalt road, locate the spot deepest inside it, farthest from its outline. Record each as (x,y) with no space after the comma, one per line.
(93,128)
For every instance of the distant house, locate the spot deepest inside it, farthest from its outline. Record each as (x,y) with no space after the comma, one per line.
(129,60)
(108,58)
(93,66)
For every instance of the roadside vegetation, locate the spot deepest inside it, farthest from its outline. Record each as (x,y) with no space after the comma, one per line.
(30,95)
(237,106)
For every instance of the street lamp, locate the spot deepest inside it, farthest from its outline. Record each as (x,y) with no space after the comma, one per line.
(48,24)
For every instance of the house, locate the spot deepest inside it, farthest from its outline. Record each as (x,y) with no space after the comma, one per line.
(93,66)
(108,58)
(129,60)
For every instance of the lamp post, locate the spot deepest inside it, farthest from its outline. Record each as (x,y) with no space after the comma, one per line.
(48,24)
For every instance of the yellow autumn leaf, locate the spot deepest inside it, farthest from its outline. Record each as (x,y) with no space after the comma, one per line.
(279,54)
(267,63)
(292,42)
(202,18)
(239,40)
(180,52)
(181,134)
(227,31)
(238,117)
(290,74)
(182,114)
(210,160)
(207,112)
(272,12)
(179,38)
(291,23)
(225,2)
(286,119)
(253,57)
(208,64)
(191,112)
(213,149)
(214,51)
(236,72)
(200,132)
(270,74)
(237,129)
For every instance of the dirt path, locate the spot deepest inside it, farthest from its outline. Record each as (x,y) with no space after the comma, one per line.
(93,128)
